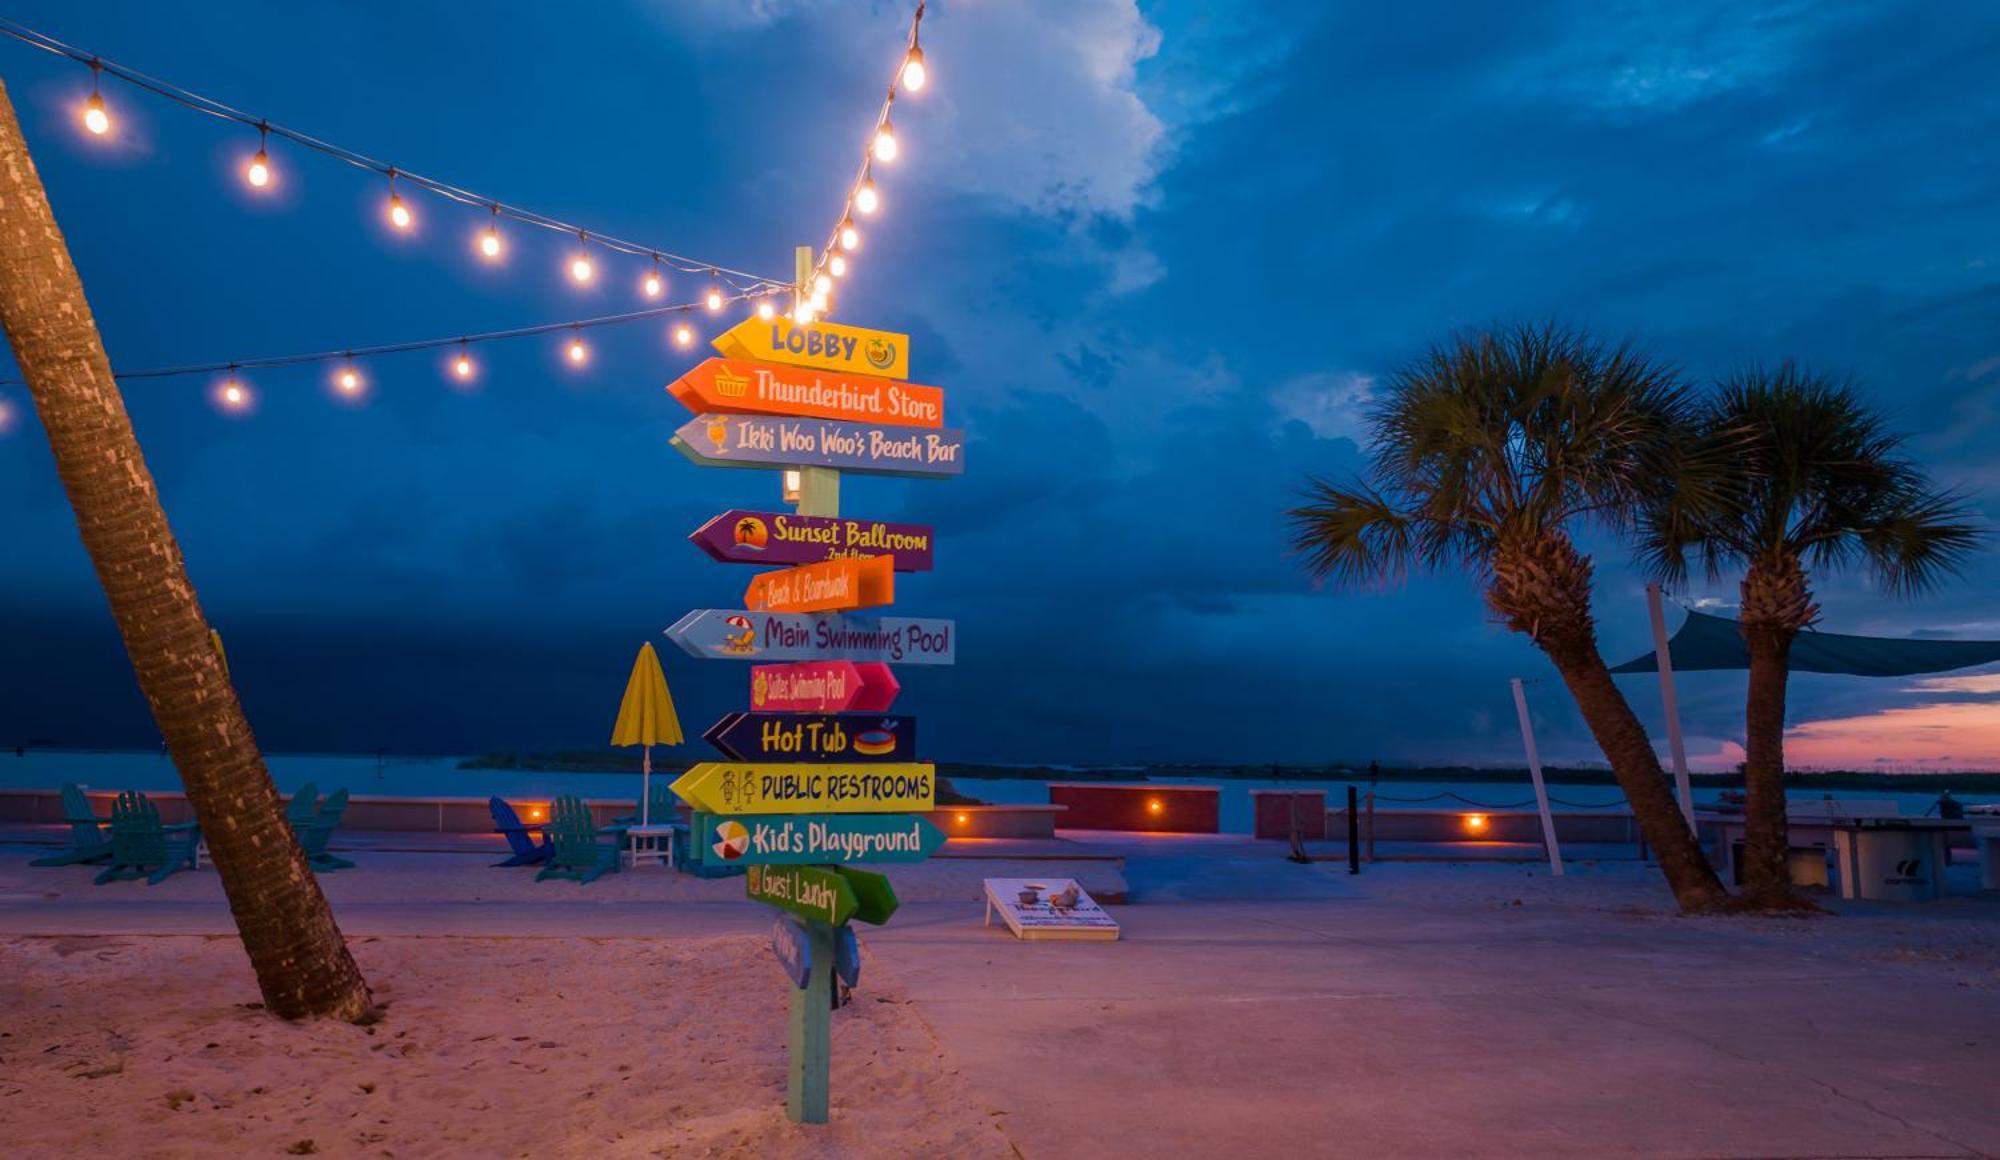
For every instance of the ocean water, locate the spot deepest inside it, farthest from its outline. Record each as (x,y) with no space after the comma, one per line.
(365,775)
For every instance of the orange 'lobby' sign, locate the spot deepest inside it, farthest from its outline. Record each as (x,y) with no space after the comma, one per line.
(828,586)
(740,386)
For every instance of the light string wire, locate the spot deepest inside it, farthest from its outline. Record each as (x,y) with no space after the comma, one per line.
(864,173)
(456,340)
(741,280)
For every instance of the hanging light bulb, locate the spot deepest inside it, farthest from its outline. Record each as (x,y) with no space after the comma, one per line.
(850,238)
(713,299)
(885,141)
(822,286)
(865,198)
(683,335)
(258,172)
(914,73)
(349,379)
(399,214)
(580,268)
(837,266)
(578,353)
(804,313)
(819,300)
(489,240)
(233,395)
(766,311)
(654,285)
(96,117)
(462,365)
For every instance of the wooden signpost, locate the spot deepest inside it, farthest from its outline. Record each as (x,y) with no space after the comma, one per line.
(775,441)
(727,634)
(823,687)
(738,386)
(810,790)
(825,345)
(740,537)
(828,586)
(728,787)
(816,737)
(819,839)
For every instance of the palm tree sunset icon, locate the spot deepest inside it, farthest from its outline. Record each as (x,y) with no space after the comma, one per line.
(750,533)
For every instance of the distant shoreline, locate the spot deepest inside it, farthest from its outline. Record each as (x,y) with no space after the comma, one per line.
(1977,781)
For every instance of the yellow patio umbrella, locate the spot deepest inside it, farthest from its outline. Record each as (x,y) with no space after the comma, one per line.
(646,717)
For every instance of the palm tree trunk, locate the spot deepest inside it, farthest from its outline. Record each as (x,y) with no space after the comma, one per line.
(1777,605)
(303,966)
(1623,739)
(1541,585)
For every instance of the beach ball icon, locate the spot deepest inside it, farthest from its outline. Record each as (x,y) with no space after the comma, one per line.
(732,841)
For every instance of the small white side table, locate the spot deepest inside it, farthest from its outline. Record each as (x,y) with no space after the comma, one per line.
(649,843)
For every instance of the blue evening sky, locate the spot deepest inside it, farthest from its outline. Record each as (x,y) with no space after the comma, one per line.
(1158,256)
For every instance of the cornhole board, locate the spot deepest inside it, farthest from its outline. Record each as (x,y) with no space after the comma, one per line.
(1084,922)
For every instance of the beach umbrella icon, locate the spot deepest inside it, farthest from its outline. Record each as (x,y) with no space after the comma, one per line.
(646,717)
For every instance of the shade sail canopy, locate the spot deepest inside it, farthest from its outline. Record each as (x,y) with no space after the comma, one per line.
(1710,642)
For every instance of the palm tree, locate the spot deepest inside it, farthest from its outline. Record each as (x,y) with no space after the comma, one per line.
(303,966)
(1816,481)
(1486,451)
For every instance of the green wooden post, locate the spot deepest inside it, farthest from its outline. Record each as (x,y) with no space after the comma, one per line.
(812,1032)
(812,1009)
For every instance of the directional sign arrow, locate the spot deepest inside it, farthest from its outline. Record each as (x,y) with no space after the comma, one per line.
(815,737)
(828,586)
(793,950)
(773,441)
(825,345)
(874,898)
(726,634)
(817,839)
(740,537)
(739,386)
(728,787)
(823,687)
(807,891)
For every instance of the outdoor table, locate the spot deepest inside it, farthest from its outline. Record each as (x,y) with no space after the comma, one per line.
(1893,859)
(651,843)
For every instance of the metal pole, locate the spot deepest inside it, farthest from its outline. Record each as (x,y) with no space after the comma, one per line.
(1371,826)
(1535,771)
(645,785)
(1671,702)
(1353,833)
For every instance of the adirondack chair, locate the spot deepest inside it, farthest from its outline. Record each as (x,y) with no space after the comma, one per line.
(574,851)
(87,839)
(141,847)
(662,807)
(318,830)
(301,808)
(526,851)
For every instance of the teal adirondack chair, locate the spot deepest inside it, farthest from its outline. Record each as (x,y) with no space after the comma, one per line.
(662,807)
(317,831)
(141,847)
(575,852)
(300,809)
(87,839)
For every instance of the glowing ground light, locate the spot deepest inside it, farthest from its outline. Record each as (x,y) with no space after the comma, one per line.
(962,819)
(1475,823)
(1154,805)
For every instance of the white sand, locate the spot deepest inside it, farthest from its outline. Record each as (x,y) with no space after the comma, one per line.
(564,1047)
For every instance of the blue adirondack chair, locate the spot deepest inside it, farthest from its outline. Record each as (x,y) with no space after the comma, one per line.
(575,852)
(318,830)
(526,851)
(302,807)
(143,848)
(87,839)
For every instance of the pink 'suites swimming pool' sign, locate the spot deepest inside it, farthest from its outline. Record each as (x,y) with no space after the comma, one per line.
(823,687)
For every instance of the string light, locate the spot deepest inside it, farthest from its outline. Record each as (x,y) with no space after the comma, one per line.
(258,172)
(804,313)
(885,141)
(348,380)
(462,365)
(654,285)
(683,335)
(914,74)
(766,311)
(97,120)
(837,266)
(865,198)
(580,268)
(822,286)
(232,395)
(850,238)
(399,214)
(713,299)
(578,353)
(95,117)
(489,240)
